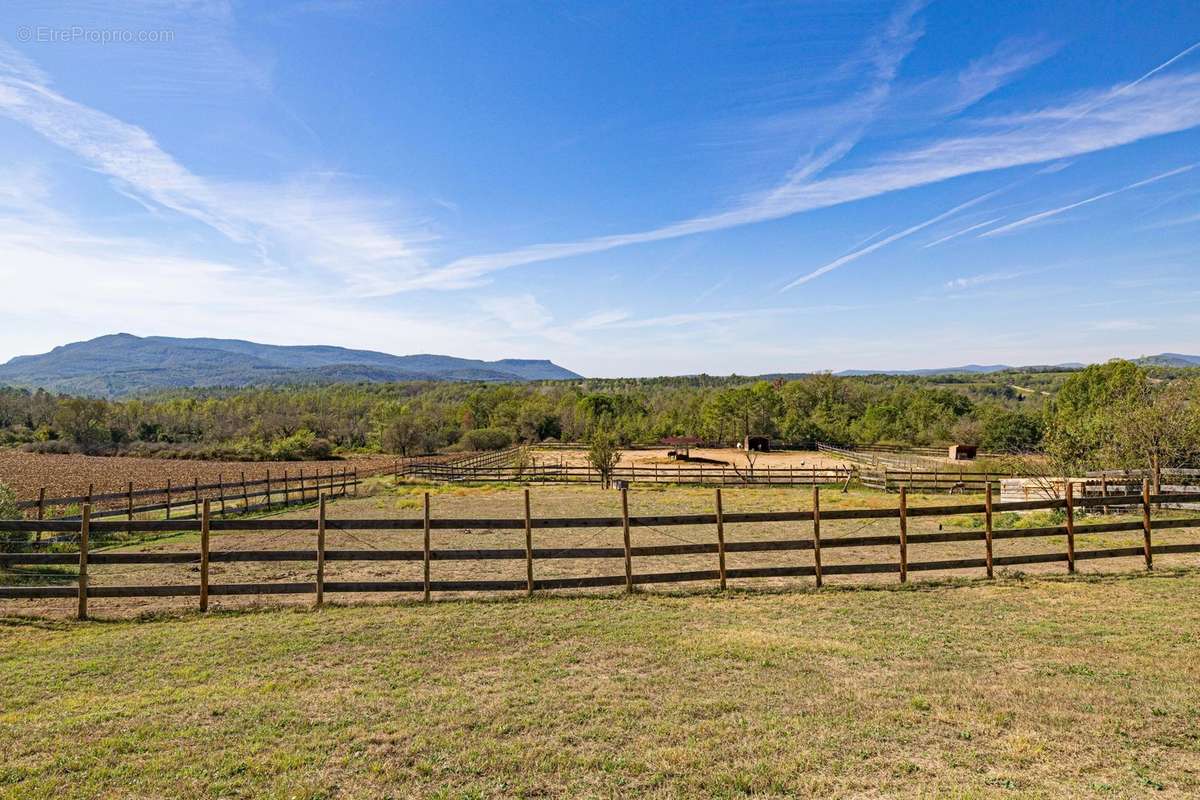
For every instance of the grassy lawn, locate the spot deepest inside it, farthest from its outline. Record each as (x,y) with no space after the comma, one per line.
(1042,687)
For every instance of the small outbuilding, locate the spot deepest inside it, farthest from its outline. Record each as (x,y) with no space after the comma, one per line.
(758,444)
(963,452)
(682,446)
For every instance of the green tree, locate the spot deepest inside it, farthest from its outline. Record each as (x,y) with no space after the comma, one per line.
(1082,420)
(1004,431)
(603,455)
(82,420)
(396,428)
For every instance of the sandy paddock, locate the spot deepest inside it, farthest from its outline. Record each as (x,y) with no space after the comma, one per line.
(729,455)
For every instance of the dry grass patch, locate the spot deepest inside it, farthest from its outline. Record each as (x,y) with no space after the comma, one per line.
(1043,688)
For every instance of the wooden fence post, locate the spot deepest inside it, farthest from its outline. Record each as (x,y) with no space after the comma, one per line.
(355,479)
(987,527)
(287,494)
(1070,506)
(84,527)
(221,492)
(196,495)
(903,534)
(1146,524)
(168,498)
(427,549)
(41,511)
(129,508)
(268,490)
(321,550)
(720,539)
(1104,490)
(303,489)
(528,548)
(817,533)
(1156,471)
(205,516)
(625,530)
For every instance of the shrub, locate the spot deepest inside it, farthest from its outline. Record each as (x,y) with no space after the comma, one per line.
(487,439)
(320,449)
(294,447)
(51,447)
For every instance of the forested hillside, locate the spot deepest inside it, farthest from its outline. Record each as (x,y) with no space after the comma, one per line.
(122,365)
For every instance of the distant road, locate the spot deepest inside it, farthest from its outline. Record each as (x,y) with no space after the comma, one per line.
(1027,390)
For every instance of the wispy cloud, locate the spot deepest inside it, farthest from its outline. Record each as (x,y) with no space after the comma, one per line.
(971,281)
(1153,107)
(307,219)
(1189,219)
(1117,91)
(94,276)
(1122,325)
(966,230)
(862,251)
(1043,215)
(623,320)
(522,312)
(880,59)
(870,238)
(713,288)
(954,92)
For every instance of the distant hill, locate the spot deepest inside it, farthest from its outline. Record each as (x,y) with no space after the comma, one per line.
(966,369)
(123,364)
(1169,360)
(1161,360)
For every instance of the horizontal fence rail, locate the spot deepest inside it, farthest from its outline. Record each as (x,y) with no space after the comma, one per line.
(184,491)
(184,501)
(931,480)
(807,540)
(680,473)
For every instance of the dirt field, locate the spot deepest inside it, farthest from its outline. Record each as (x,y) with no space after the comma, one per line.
(66,475)
(729,455)
(559,501)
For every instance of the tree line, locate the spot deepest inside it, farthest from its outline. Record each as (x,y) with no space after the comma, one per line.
(1092,415)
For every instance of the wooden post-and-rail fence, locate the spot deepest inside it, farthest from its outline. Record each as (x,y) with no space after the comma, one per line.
(630,553)
(679,473)
(231,496)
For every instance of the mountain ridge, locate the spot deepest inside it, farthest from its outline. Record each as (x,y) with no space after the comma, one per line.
(123,364)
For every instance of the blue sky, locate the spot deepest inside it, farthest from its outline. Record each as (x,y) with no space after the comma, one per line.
(629,189)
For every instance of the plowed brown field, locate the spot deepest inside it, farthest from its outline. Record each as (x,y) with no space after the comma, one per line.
(66,475)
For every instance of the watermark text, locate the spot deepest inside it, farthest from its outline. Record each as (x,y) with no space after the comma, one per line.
(80,34)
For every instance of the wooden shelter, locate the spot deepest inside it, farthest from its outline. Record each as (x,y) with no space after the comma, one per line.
(963,452)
